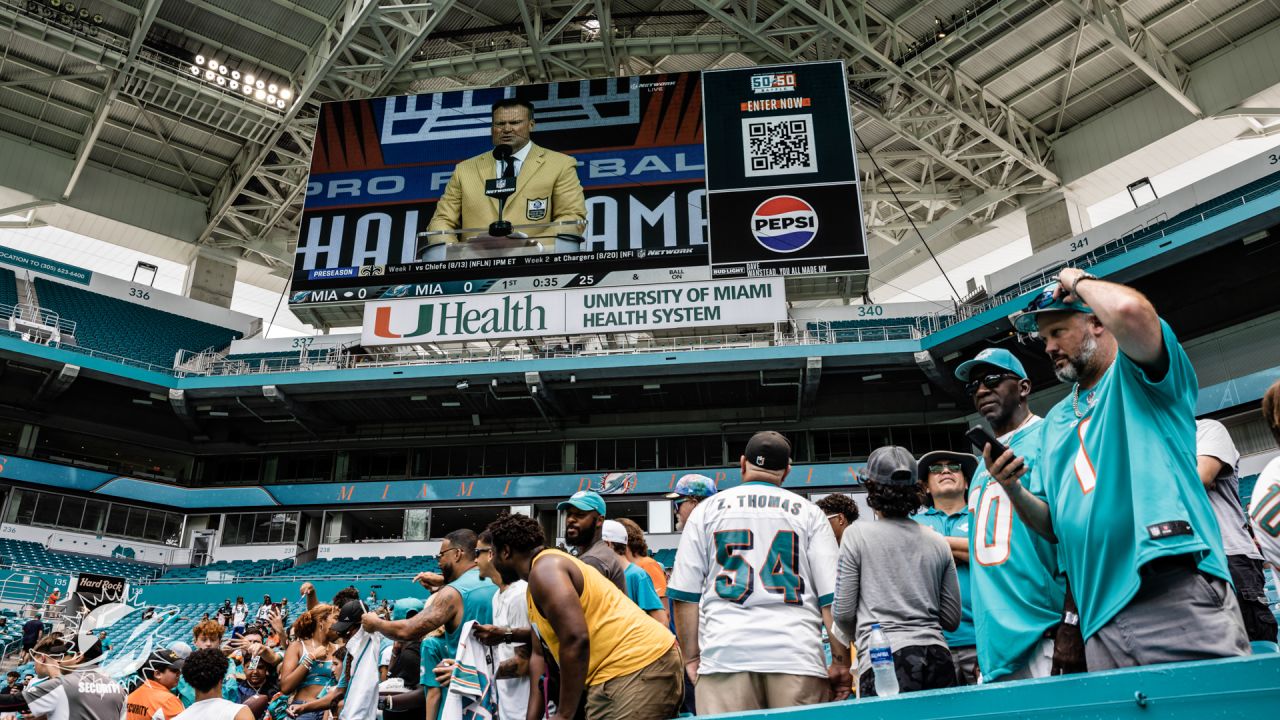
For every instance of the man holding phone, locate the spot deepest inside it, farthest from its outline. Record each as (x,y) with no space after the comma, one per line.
(1115,483)
(1016,588)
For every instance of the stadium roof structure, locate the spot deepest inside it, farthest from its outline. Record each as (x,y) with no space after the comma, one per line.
(967,112)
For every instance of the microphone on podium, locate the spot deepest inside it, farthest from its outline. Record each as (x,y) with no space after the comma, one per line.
(501,188)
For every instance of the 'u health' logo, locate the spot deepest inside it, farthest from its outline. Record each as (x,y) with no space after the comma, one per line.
(784,223)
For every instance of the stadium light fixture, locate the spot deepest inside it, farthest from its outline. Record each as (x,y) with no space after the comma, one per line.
(450,404)
(209,74)
(260,95)
(199,59)
(417,398)
(463,384)
(194,70)
(280,104)
(872,376)
(1141,192)
(218,413)
(602,396)
(286,94)
(273,88)
(651,386)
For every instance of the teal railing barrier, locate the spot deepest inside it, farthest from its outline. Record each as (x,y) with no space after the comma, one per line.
(1236,688)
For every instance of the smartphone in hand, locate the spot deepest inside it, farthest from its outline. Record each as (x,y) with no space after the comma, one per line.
(981,437)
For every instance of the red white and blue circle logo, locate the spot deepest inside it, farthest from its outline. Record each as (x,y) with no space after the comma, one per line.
(784,223)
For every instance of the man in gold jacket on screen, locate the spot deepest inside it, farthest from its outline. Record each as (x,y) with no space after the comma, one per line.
(547,185)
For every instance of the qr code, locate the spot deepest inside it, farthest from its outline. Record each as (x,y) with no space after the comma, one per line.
(779,145)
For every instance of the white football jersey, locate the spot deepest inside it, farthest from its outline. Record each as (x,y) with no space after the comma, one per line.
(761,562)
(1264,512)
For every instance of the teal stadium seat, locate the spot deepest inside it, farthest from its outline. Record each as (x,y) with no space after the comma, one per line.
(242,568)
(870,329)
(8,287)
(133,331)
(362,566)
(30,554)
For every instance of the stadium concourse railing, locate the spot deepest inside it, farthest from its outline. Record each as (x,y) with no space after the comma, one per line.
(1143,236)
(29,314)
(282,577)
(232,366)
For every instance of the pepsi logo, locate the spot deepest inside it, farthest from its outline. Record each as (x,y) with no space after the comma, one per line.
(784,223)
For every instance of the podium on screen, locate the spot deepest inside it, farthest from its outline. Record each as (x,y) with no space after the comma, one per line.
(478,243)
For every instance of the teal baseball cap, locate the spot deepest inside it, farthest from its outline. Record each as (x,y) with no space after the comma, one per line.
(1045,301)
(997,357)
(585,500)
(406,607)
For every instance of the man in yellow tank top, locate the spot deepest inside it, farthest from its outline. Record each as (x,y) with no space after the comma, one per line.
(626,663)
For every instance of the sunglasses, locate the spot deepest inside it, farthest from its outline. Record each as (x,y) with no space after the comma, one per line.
(944,467)
(990,382)
(1043,300)
(480,550)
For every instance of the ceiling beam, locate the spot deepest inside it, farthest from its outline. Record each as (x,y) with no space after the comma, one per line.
(141,27)
(1140,46)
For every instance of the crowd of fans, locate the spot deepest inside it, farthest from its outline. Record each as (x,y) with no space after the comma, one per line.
(1108,533)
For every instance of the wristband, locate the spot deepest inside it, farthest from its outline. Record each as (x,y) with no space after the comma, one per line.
(508,638)
(1083,276)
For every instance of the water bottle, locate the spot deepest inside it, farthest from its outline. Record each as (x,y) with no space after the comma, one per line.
(882,663)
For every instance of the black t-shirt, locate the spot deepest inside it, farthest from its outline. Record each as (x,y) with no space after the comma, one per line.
(31,630)
(407,665)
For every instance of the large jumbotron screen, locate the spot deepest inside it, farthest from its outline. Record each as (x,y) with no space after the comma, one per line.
(380,166)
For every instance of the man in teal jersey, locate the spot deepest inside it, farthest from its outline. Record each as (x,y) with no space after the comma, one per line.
(1116,481)
(1016,590)
(464,595)
(945,478)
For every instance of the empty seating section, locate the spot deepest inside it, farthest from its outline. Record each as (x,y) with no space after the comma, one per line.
(362,566)
(31,554)
(8,287)
(868,330)
(122,328)
(167,624)
(261,362)
(241,568)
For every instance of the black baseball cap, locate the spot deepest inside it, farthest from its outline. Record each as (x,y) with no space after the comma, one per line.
(891,465)
(349,615)
(768,450)
(162,659)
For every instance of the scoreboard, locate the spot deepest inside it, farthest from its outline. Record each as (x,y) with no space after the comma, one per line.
(790,205)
